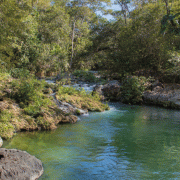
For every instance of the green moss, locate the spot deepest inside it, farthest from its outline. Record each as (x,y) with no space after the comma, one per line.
(78,112)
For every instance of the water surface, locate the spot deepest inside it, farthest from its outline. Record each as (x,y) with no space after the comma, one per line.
(127,142)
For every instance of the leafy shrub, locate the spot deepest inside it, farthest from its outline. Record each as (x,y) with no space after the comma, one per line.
(85,75)
(26,90)
(6,130)
(19,72)
(5,116)
(3,67)
(132,89)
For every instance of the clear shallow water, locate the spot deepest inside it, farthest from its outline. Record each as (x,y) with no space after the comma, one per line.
(127,142)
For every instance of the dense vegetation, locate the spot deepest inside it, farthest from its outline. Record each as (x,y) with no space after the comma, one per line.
(28,104)
(46,37)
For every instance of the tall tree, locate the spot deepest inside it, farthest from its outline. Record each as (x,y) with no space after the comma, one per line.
(82,13)
(124,4)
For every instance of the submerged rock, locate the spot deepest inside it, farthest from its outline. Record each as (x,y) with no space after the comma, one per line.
(1,142)
(16,164)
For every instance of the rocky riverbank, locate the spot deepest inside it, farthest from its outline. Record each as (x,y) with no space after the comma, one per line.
(167,96)
(156,93)
(16,164)
(28,104)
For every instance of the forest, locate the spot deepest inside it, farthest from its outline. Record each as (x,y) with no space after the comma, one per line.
(45,37)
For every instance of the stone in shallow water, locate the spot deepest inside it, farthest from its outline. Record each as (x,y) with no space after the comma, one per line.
(16,164)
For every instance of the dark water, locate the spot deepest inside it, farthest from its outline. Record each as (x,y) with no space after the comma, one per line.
(127,142)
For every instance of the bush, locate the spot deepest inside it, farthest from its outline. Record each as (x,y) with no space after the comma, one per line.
(6,128)
(19,72)
(85,75)
(26,90)
(132,89)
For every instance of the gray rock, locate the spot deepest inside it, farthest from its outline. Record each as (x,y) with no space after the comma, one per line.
(155,84)
(98,89)
(67,108)
(167,96)
(112,90)
(16,164)
(1,142)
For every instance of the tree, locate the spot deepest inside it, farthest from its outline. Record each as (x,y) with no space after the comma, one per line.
(124,8)
(82,13)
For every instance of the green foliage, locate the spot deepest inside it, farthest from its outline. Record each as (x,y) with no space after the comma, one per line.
(169,22)
(25,90)
(29,94)
(81,99)
(6,128)
(19,73)
(132,89)
(71,91)
(85,75)
(137,44)
(5,116)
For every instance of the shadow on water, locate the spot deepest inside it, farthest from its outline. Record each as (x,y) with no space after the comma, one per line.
(127,142)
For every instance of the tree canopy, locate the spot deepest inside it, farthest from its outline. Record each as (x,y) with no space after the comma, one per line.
(60,35)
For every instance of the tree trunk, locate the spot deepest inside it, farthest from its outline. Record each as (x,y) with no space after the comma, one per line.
(72,43)
(167,7)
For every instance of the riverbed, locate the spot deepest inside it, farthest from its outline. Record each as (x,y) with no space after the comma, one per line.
(126,142)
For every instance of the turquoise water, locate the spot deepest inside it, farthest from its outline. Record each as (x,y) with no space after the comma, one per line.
(127,142)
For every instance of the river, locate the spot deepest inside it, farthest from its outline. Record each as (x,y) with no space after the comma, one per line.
(126,142)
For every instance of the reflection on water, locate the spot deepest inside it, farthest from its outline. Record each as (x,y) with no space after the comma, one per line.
(127,142)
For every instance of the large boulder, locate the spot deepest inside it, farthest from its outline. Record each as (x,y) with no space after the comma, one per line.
(98,89)
(167,96)
(112,90)
(16,164)
(109,91)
